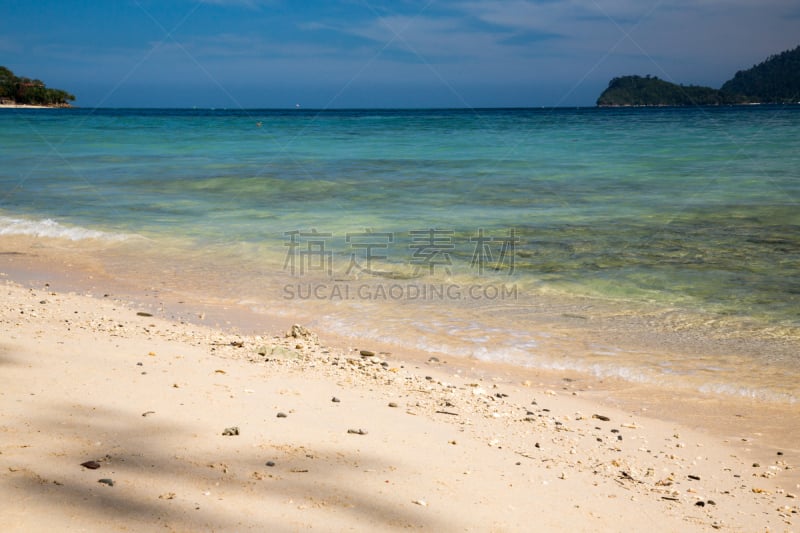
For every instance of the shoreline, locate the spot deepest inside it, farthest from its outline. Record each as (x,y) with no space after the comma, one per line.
(29,106)
(470,445)
(37,264)
(22,106)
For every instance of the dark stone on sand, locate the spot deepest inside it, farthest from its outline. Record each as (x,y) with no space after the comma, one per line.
(433,359)
(270,463)
(357,431)
(43,302)
(756,465)
(91,465)
(231,431)
(139,364)
(780,453)
(711,502)
(142,313)
(696,478)
(281,415)
(392,404)
(602,417)
(106,481)
(367,353)
(335,400)
(537,445)
(700,504)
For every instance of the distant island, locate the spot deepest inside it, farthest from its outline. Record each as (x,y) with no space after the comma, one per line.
(774,81)
(20,91)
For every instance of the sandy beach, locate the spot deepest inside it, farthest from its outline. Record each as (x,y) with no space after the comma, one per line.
(118,415)
(23,106)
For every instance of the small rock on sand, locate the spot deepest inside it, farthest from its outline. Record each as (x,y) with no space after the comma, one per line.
(231,431)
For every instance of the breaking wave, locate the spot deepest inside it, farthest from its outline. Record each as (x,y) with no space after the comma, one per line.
(49,228)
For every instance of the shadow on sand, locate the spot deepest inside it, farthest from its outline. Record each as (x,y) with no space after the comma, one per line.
(223,484)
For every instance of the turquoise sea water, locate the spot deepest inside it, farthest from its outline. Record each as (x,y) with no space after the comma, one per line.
(679,225)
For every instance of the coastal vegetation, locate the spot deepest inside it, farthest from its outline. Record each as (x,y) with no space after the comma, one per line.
(16,90)
(652,91)
(774,81)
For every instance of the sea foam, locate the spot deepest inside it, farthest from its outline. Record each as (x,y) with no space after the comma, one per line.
(52,229)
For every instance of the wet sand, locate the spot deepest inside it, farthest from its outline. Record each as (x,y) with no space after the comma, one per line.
(339,434)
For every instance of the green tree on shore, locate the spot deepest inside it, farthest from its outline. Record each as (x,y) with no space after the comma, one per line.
(21,90)
(651,91)
(774,81)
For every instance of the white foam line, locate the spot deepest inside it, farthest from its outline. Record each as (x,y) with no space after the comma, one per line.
(52,229)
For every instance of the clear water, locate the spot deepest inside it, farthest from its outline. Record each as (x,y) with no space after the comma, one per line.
(649,244)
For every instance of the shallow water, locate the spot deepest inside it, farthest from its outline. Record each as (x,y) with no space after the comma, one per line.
(656,245)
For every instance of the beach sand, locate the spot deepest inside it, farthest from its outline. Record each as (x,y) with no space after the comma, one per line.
(23,106)
(325,436)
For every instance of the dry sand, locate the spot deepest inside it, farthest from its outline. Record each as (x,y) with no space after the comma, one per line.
(423,445)
(22,106)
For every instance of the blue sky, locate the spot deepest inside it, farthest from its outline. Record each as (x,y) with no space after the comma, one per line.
(377,53)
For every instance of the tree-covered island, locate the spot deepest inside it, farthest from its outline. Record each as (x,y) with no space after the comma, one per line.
(16,90)
(774,81)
